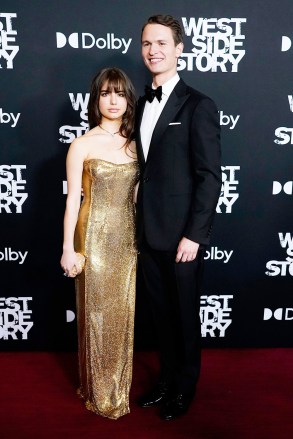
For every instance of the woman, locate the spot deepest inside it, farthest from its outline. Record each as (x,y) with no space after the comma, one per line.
(103,162)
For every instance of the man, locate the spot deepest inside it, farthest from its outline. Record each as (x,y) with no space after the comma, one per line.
(178,145)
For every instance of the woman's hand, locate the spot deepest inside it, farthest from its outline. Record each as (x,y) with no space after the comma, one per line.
(68,261)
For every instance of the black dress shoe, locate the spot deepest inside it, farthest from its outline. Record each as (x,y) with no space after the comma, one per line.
(176,406)
(155,396)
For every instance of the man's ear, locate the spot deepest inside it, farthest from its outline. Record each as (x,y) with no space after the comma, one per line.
(179,49)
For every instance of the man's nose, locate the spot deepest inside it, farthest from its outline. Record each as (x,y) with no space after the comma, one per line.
(153,49)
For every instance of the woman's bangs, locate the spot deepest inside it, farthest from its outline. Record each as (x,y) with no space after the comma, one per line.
(115,83)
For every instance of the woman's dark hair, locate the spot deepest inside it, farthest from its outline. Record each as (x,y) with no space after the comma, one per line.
(118,81)
(168,21)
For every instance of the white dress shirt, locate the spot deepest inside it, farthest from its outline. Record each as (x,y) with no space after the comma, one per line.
(152,112)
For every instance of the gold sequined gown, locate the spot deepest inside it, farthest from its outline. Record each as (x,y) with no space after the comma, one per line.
(106,288)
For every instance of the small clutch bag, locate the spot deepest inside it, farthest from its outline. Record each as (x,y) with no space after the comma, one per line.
(77,269)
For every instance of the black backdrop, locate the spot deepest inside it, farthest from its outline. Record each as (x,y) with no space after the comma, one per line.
(240,54)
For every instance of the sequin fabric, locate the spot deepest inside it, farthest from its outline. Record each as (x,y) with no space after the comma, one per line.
(105,290)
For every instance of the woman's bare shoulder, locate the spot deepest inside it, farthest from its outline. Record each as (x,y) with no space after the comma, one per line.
(85,140)
(89,135)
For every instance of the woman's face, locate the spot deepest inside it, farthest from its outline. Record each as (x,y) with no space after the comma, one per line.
(112,104)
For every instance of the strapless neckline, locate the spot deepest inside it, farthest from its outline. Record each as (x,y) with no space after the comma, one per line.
(111,163)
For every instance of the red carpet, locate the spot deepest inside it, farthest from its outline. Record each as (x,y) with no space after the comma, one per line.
(242,394)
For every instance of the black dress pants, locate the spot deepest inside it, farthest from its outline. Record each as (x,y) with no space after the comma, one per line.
(174,290)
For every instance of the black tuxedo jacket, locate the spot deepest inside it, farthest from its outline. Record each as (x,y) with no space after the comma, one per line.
(181,178)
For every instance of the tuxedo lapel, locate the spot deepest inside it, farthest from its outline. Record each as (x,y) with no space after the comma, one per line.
(177,98)
(139,113)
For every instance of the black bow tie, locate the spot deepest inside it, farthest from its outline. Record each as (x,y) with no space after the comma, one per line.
(151,94)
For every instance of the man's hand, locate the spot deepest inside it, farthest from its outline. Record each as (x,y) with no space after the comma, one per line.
(187,250)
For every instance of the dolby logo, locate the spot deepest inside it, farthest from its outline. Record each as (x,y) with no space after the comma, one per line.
(287,187)
(286,43)
(220,255)
(86,40)
(9,255)
(278,314)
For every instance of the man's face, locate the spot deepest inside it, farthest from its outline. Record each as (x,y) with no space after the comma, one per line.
(159,51)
